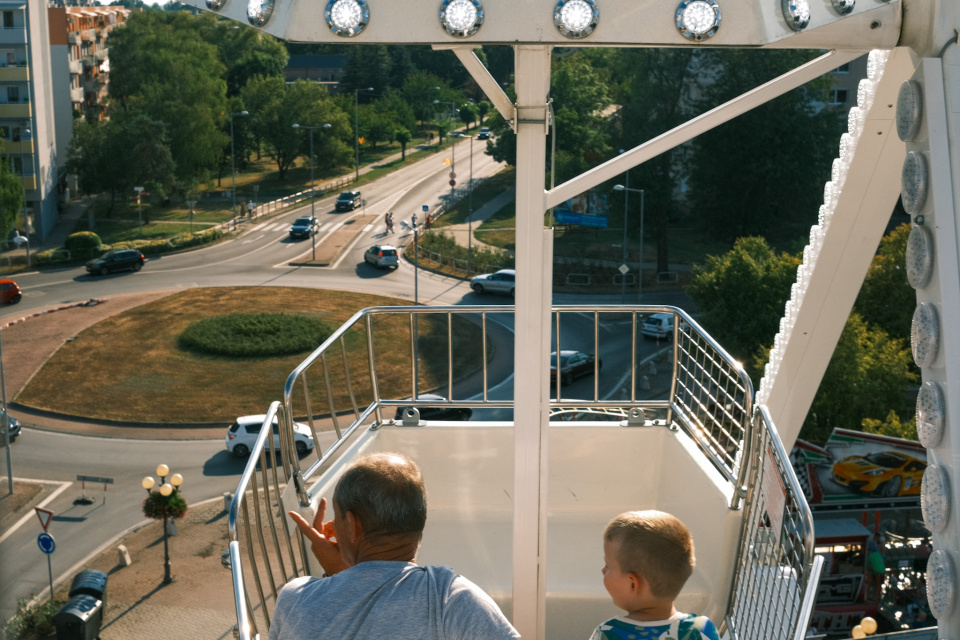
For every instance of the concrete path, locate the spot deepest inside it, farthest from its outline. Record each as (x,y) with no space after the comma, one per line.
(461,232)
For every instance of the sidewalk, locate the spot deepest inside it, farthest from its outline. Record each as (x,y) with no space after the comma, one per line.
(461,232)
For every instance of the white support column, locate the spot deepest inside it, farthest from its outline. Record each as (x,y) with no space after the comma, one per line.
(531,389)
(863,209)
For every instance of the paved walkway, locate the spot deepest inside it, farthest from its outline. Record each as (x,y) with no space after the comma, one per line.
(461,232)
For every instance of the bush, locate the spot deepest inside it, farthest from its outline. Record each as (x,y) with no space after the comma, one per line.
(157,506)
(484,259)
(31,622)
(83,245)
(255,335)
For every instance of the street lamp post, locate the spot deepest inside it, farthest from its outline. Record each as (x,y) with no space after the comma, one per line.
(470,213)
(313,236)
(620,187)
(6,426)
(166,490)
(191,203)
(233,168)
(356,131)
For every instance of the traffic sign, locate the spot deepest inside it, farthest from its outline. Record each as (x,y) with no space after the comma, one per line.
(453,183)
(44,516)
(46,543)
(453,175)
(623,269)
(426,208)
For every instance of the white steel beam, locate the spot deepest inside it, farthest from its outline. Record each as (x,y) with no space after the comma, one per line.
(863,209)
(489,85)
(531,386)
(615,167)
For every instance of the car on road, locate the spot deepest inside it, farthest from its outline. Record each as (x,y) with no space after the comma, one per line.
(10,292)
(348,201)
(502,282)
(483,134)
(573,365)
(382,256)
(437,413)
(242,435)
(117,260)
(887,473)
(14,430)
(303,227)
(658,326)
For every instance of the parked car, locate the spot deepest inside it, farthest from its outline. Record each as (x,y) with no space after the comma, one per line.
(483,134)
(502,281)
(887,473)
(348,201)
(658,325)
(382,256)
(10,292)
(242,435)
(573,365)
(303,227)
(14,426)
(437,413)
(116,260)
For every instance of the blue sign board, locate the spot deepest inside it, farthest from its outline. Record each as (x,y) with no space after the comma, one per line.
(584,219)
(426,208)
(46,543)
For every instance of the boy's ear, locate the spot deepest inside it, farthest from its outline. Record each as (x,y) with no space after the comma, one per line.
(637,582)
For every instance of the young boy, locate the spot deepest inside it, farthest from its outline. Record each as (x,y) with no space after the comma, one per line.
(648,557)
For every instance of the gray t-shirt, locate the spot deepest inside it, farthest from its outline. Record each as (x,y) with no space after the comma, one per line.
(388,599)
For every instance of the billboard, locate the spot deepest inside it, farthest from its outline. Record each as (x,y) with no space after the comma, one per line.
(587,209)
(860,470)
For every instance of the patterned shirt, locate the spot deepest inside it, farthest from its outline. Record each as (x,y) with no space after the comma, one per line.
(680,626)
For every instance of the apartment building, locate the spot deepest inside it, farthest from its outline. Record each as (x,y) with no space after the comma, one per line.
(27,131)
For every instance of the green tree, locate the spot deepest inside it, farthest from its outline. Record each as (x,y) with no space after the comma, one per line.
(366,67)
(886,298)
(380,129)
(420,90)
(483,108)
(789,141)
(11,198)
(469,113)
(403,136)
(244,51)
(443,128)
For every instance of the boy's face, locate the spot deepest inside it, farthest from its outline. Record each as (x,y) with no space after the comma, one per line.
(620,585)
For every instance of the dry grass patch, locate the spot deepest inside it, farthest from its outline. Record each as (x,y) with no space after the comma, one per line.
(128,367)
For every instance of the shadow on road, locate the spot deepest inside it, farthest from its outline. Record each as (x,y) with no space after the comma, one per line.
(367,271)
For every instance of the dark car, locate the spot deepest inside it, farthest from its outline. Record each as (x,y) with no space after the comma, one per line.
(304,227)
(484,134)
(437,413)
(348,201)
(10,292)
(14,426)
(117,260)
(573,365)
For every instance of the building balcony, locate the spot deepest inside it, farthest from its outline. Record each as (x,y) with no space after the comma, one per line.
(13,36)
(88,34)
(76,95)
(14,74)
(29,182)
(15,110)
(73,37)
(17,147)
(76,66)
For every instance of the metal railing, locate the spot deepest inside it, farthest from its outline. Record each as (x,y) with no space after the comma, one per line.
(775,585)
(384,359)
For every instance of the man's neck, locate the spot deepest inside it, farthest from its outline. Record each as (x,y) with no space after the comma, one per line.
(389,549)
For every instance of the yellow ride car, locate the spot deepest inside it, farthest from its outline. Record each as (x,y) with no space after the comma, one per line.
(888,473)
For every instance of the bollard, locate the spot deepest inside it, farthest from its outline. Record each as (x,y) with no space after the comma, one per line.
(124,556)
(645,383)
(227,499)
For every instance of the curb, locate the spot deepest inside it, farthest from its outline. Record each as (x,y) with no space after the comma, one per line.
(92,302)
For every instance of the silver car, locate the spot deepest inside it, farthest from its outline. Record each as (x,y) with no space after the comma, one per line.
(242,435)
(502,282)
(382,256)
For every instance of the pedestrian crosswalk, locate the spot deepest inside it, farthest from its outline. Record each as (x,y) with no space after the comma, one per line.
(264,228)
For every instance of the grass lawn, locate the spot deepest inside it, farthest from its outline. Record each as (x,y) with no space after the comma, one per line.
(129,367)
(484,192)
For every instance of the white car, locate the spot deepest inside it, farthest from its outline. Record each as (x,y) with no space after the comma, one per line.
(242,435)
(503,282)
(660,326)
(382,256)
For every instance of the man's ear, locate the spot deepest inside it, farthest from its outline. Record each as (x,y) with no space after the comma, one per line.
(354,528)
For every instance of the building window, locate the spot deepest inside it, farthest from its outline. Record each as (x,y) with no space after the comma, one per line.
(8,20)
(844,68)
(13,94)
(838,96)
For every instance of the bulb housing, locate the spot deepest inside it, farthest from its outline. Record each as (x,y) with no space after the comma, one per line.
(698,20)
(576,19)
(347,18)
(461,18)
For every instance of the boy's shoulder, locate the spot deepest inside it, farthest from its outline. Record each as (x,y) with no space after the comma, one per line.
(683,626)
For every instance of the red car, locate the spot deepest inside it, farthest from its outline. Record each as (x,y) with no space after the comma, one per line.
(10,292)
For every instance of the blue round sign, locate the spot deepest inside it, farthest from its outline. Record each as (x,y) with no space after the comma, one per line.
(46,542)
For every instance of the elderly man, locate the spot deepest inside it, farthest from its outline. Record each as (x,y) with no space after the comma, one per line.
(374,587)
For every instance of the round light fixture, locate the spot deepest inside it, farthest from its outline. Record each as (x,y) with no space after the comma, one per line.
(935,498)
(347,18)
(930,414)
(855,121)
(576,18)
(876,61)
(843,7)
(461,18)
(919,256)
(698,19)
(796,13)
(259,11)
(913,182)
(941,584)
(925,334)
(866,89)
(215,5)
(909,108)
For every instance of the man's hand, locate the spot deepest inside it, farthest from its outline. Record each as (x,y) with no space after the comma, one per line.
(319,534)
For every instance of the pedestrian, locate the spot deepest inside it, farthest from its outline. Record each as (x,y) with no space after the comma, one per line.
(250,207)
(414,220)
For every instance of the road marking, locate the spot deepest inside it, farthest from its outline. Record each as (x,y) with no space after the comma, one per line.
(325,226)
(367,228)
(262,235)
(259,226)
(63,486)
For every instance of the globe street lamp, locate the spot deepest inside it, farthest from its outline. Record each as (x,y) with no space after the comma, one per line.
(233,169)
(627,190)
(356,132)
(163,503)
(313,236)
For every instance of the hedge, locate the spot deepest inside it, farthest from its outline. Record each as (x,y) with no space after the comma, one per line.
(84,249)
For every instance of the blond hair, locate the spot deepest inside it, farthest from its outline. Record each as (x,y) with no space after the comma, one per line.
(655,545)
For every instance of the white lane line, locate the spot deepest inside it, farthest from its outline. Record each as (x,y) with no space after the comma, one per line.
(259,237)
(325,227)
(367,228)
(259,226)
(46,501)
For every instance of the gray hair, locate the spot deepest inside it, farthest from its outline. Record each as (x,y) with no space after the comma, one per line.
(385,492)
